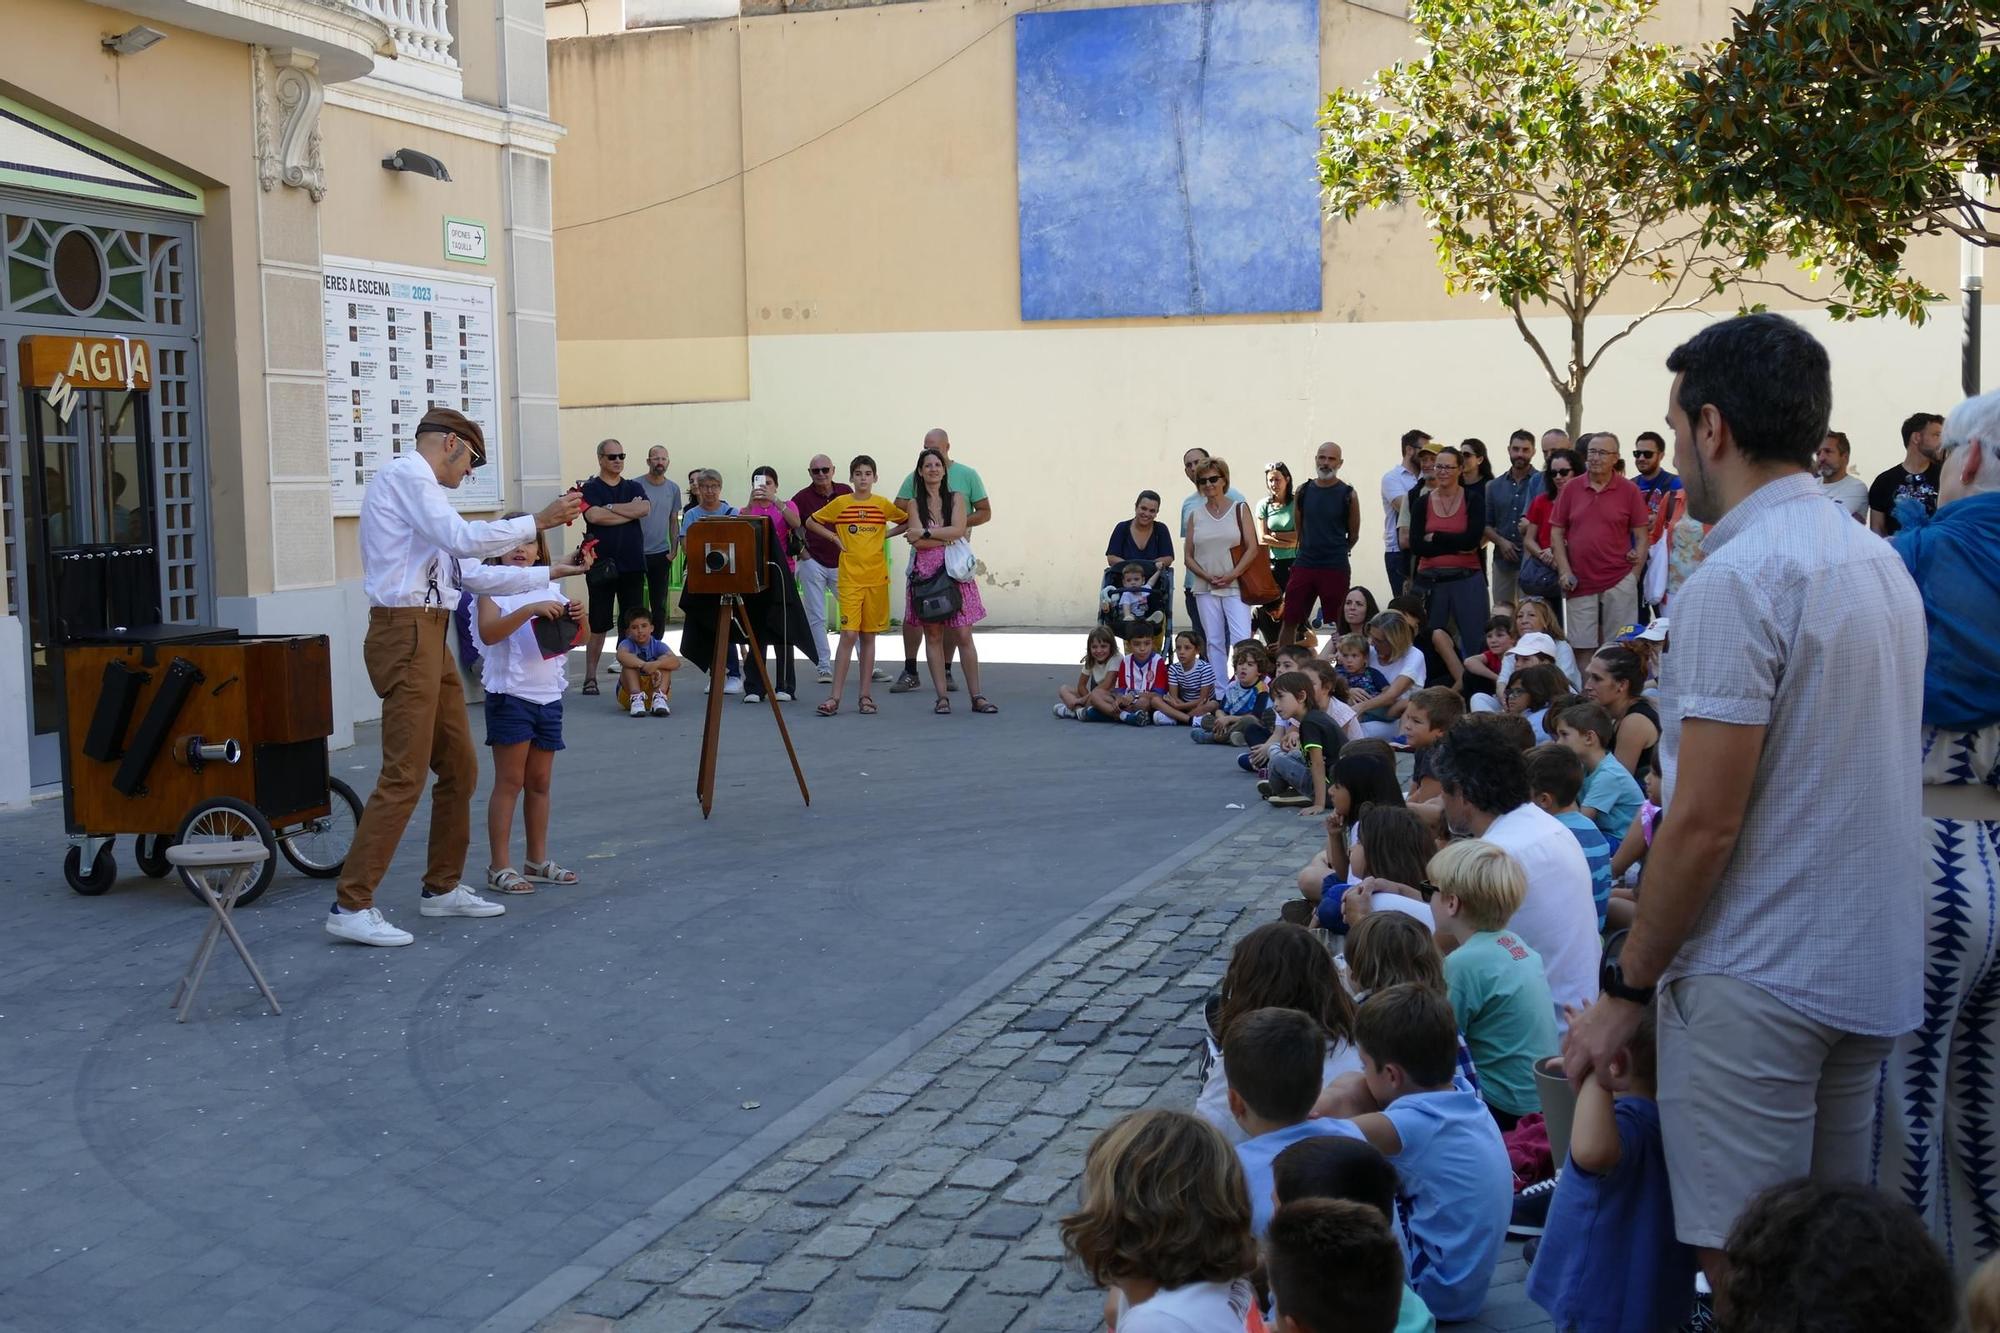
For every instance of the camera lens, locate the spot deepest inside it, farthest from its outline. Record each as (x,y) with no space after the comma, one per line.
(715,561)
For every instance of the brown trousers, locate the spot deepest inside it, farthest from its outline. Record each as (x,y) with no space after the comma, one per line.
(423,727)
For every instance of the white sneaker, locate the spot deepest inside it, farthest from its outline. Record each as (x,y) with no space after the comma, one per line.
(1065,711)
(880,674)
(461,901)
(826,675)
(638,705)
(365,927)
(660,708)
(1161,719)
(782,697)
(733,685)
(753,698)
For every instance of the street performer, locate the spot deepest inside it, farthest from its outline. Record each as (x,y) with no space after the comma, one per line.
(416,554)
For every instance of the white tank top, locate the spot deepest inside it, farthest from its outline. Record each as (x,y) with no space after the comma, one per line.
(1210,541)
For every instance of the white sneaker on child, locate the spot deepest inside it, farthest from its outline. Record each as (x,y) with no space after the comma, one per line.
(660,708)
(638,705)
(1064,710)
(1161,719)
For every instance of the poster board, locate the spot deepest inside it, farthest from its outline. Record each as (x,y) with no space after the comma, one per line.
(400,341)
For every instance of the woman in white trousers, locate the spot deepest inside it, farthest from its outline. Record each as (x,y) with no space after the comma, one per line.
(1216,529)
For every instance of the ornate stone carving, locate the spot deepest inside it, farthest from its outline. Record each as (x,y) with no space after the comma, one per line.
(289,96)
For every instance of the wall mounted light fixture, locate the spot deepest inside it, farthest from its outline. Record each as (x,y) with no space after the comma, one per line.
(133,40)
(423,164)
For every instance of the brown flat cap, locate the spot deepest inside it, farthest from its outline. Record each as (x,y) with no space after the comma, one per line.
(444,421)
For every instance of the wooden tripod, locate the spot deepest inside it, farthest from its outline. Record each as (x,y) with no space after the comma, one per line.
(731,611)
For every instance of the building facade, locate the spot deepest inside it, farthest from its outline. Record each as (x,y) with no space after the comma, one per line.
(822,225)
(312,216)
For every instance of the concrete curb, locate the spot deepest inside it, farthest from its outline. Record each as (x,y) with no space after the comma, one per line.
(552,1292)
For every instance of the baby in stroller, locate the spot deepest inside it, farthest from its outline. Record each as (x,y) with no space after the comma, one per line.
(1136,592)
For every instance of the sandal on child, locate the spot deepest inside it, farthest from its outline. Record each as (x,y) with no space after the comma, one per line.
(507,880)
(547,872)
(867,703)
(828,708)
(982,704)
(943,706)
(589,686)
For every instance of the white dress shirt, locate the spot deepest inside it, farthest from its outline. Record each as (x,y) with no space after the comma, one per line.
(417,551)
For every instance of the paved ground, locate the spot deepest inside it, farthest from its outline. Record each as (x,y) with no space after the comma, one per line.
(929,1201)
(429,1134)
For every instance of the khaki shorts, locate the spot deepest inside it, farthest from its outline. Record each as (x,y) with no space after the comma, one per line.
(1753,1093)
(1589,621)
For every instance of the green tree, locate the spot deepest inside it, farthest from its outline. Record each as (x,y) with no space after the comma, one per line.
(1527,135)
(1838,129)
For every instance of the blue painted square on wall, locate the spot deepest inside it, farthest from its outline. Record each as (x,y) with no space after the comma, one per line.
(1165,159)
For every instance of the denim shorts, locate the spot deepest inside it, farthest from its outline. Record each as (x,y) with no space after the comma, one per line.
(511,720)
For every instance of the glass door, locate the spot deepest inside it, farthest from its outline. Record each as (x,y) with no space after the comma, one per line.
(95,566)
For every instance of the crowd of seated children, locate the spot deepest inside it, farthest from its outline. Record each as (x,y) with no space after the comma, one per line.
(1094,683)
(1499,993)
(1337,1167)
(1607,1261)
(1457,1186)
(1363,776)
(1284,733)
(1610,797)
(1281,966)
(1273,1058)
(1426,718)
(1555,777)
(1190,695)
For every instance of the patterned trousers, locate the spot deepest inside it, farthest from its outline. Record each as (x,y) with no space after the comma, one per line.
(1938,1107)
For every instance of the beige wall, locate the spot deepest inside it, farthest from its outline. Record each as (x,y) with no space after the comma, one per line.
(858,283)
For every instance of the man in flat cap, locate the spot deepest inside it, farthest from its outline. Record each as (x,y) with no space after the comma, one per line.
(416,554)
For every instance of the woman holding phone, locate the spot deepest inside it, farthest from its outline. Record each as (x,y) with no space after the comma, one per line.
(766,502)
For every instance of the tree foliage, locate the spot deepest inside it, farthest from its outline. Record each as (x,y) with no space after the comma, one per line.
(1837,129)
(1527,134)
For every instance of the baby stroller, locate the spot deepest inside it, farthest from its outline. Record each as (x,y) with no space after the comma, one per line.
(1158,604)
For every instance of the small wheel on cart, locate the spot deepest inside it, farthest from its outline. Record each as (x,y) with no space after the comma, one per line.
(103,870)
(226,819)
(318,847)
(149,850)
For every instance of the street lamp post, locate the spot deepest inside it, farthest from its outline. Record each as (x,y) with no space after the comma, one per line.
(1971,288)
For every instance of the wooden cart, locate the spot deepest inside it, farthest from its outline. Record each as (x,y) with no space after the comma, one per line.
(182,733)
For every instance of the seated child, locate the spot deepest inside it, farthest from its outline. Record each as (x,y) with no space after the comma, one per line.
(1835,1259)
(1351,658)
(1611,797)
(1555,776)
(1482,673)
(1364,775)
(1129,599)
(1349,1169)
(1624,905)
(1284,731)
(1190,695)
(645,668)
(1457,1183)
(1093,683)
(1164,1225)
(1389,844)
(1274,1058)
(1330,697)
(1139,685)
(1277,966)
(1335,1268)
(1499,993)
(1244,699)
(1384,949)
(1608,1260)
(1298,777)
(1530,692)
(1428,717)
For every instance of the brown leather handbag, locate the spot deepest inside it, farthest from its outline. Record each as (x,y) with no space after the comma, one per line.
(1257,585)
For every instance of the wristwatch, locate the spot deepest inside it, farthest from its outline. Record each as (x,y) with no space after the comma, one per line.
(1611,974)
(927,532)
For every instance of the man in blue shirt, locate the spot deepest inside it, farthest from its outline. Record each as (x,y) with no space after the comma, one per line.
(1507,499)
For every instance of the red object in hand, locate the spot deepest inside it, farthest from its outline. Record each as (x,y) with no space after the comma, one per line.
(577,491)
(588,547)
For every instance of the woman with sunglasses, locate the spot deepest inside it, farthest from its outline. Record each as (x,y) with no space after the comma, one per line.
(1217,528)
(1538,562)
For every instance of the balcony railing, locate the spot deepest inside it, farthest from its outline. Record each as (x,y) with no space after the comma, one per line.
(422,33)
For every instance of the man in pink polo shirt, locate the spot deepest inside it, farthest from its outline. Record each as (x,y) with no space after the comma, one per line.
(1599,540)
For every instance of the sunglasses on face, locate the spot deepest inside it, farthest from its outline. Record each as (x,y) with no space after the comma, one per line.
(614,458)
(1562,472)
(1427,890)
(1645,453)
(819,470)
(1204,481)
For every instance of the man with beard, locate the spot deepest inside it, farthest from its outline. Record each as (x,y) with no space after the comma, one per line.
(1836,483)
(1329,521)
(1916,476)
(1508,496)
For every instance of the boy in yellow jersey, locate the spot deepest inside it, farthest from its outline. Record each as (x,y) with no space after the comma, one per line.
(859,523)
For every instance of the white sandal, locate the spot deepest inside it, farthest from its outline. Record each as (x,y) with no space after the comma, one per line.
(547,872)
(507,880)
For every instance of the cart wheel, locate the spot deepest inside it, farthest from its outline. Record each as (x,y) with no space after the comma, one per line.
(149,850)
(226,819)
(103,870)
(319,847)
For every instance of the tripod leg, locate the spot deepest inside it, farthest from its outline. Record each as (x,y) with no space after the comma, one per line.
(757,654)
(711,732)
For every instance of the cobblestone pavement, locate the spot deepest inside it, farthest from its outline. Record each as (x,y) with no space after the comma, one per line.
(929,1201)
